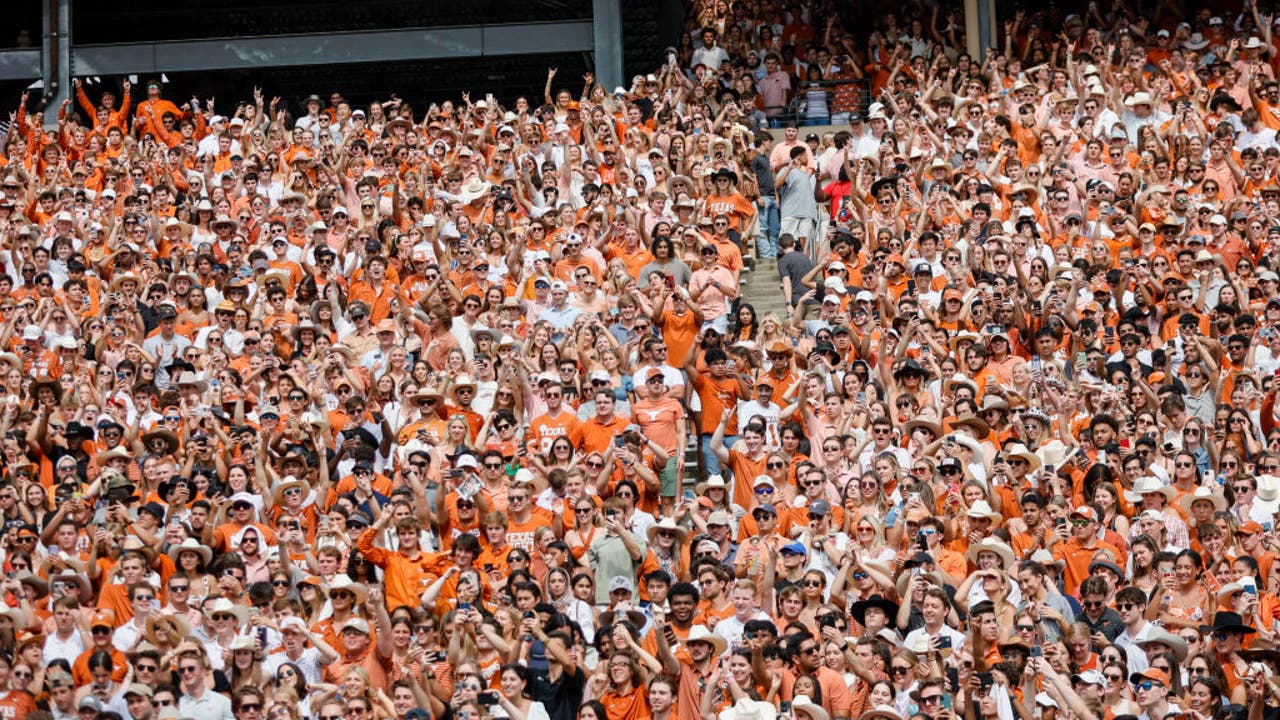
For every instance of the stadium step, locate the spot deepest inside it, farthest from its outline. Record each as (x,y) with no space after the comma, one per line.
(764,293)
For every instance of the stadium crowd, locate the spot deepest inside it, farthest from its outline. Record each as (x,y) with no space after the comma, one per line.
(457,412)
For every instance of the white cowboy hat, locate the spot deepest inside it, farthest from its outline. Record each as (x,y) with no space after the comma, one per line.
(1018,450)
(748,709)
(715,481)
(982,509)
(802,703)
(223,605)
(473,190)
(342,581)
(881,712)
(1149,484)
(1268,493)
(1054,453)
(191,545)
(1138,98)
(669,524)
(1203,493)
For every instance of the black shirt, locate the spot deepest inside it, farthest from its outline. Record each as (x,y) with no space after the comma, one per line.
(562,697)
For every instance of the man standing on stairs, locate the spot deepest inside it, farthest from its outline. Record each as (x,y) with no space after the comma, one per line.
(793,265)
(767,227)
(796,204)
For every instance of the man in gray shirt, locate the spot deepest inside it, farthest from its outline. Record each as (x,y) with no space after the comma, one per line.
(793,265)
(795,182)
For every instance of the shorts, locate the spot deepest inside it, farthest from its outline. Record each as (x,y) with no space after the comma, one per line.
(668,477)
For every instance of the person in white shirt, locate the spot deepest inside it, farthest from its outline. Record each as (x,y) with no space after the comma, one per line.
(709,54)
(743,598)
(763,407)
(1131,602)
(67,641)
(198,701)
(310,660)
(934,609)
(142,598)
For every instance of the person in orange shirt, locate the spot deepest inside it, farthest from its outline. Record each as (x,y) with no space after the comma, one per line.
(719,392)
(726,200)
(1078,550)
(406,571)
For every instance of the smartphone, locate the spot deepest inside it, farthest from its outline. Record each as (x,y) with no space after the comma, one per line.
(1250,589)
(1050,470)
(1037,651)
(784,707)
(944,642)
(1036,306)
(1060,522)
(487,698)
(1110,334)
(1082,357)
(619,442)
(986,679)
(464,606)
(1102,457)
(688,496)
(946,701)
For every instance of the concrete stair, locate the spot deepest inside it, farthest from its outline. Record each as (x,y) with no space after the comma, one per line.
(764,291)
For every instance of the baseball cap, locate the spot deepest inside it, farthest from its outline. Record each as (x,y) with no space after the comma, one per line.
(793,548)
(1084,511)
(820,507)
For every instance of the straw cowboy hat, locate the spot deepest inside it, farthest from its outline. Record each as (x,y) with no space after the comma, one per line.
(1149,484)
(189,378)
(715,481)
(180,628)
(190,545)
(169,437)
(1172,641)
(925,423)
(68,575)
(288,483)
(977,425)
(1203,493)
(1018,450)
(342,581)
(992,545)
(46,382)
(880,712)
(668,524)
(223,605)
(700,633)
